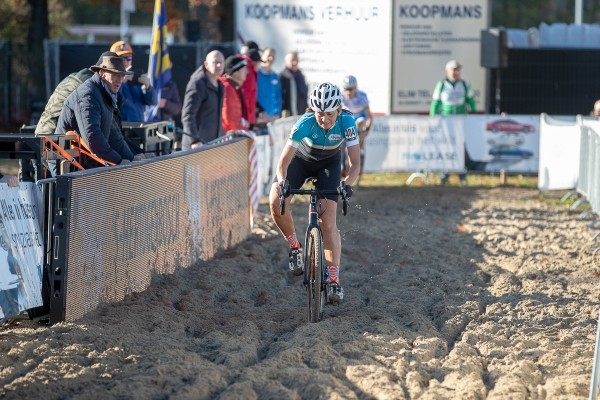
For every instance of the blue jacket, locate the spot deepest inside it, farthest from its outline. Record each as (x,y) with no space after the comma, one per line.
(89,110)
(269,93)
(135,100)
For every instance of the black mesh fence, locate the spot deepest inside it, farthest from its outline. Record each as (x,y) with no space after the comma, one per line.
(552,81)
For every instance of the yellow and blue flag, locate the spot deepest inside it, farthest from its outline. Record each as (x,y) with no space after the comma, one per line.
(159,66)
(160,62)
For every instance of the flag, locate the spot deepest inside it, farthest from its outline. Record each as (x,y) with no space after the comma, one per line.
(159,65)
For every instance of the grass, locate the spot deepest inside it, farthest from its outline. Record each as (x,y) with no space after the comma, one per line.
(473,180)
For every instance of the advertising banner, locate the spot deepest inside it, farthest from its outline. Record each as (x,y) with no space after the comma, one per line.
(509,143)
(427,34)
(21,249)
(415,143)
(333,39)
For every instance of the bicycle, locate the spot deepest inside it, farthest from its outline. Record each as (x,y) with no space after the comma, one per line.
(316,274)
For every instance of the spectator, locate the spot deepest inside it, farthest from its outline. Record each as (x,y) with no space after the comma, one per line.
(168,106)
(234,105)
(170,103)
(137,91)
(251,53)
(451,96)
(47,123)
(10,180)
(203,103)
(357,102)
(92,110)
(596,111)
(269,88)
(294,91)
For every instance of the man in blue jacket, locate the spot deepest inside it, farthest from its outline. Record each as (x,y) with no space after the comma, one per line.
(92,110)
(137,91)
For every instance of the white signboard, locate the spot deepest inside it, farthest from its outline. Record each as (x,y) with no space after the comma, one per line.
(415,143)
(21,249)
(427,34)
(333,39)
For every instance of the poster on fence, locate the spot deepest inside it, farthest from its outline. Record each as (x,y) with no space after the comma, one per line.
(415,143)
(21,249)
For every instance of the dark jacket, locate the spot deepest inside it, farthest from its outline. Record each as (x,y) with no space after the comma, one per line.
(47,123)
(294,92)
(90,111)
(170,93)
(135,100)
(202,107)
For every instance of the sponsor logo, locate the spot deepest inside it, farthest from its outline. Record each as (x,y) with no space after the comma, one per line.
(351,133)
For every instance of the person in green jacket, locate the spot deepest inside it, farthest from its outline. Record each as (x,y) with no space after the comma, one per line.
(47,123)
(452,96)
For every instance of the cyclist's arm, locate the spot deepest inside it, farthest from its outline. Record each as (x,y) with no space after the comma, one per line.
(284,162)
(354,161)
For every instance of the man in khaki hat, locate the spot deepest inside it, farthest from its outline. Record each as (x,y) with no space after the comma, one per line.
(92,110)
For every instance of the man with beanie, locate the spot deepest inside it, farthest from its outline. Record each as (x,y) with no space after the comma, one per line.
(251,53)
(234,106)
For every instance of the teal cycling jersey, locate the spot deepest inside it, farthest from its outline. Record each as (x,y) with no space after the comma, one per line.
(314,144)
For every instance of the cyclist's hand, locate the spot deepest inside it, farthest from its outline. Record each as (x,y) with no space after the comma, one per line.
(283,188)
(347,190)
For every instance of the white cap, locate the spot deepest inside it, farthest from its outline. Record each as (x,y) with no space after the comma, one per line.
(452,64)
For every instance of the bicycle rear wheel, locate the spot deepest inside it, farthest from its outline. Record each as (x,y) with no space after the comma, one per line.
(315,295)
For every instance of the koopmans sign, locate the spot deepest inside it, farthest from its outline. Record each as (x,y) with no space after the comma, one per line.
(397,50)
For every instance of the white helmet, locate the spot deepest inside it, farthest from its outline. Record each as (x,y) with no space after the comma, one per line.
(325,97)
(350,82)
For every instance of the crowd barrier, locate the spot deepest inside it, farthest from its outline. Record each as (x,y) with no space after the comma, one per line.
(108,231)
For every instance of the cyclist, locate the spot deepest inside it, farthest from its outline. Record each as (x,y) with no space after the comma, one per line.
(357,102)
(314,150)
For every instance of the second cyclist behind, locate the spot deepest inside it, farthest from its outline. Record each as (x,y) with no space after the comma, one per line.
(314,149)
(357,102)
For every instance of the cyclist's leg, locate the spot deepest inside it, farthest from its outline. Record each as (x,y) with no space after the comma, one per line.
(331,235)
(297,174)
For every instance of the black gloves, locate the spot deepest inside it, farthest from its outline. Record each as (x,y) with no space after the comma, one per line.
(347,190)
(283,188)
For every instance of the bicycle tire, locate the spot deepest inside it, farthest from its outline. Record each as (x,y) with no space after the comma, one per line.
(315,294)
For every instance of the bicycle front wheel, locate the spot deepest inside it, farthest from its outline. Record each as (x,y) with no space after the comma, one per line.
(314,269)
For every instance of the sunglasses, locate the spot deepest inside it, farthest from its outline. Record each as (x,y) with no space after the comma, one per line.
(127,58)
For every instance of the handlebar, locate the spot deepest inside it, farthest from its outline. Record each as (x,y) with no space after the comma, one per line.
(340,191)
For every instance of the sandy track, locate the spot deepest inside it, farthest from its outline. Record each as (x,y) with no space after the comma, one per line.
(451,293)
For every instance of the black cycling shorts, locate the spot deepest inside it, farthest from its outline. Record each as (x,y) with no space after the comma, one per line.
(328,173)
